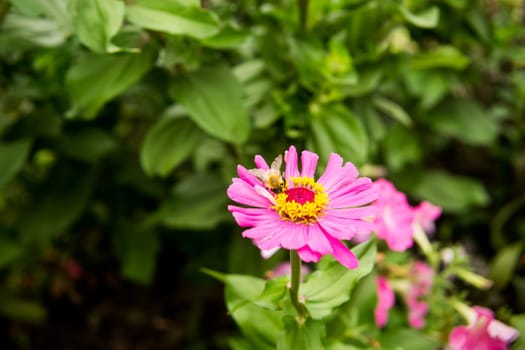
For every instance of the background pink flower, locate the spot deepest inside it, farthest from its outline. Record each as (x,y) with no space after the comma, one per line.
(483,333)
(385,301)
(425,214)
(299,212)
(394,219)
(422,278)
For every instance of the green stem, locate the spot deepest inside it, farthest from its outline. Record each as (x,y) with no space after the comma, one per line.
(303,14)
(422,241)
(295,262)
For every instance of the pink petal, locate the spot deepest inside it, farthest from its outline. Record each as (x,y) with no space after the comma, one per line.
(457,338)
(308,255)
(247,176)
(308,163)
(290,158)
(352,213)
(295,237)
(358,193)
(342,254)
(331,173)
(340,178)
(318,241)
(272,238)
(501,331)
(268,253)
(344,228)
(247,217)
(259,233)
(337,227)
(241,192)
(261,163)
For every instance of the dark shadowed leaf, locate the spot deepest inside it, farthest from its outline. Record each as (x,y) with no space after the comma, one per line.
(60,201)
(197,202)
(87,144)
(137,250)
(504,264)
(451,192)
(12,157)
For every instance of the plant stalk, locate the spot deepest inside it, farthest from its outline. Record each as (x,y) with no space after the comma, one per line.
(295,263)
(303,14)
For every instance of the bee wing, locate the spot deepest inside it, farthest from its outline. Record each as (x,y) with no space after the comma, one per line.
(277,163)
(259,173)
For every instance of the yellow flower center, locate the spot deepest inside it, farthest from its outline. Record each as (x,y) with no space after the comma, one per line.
(302,200)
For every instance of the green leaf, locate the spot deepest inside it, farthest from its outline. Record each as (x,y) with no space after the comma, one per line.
(172,17)
(274,291)
(321,300)
(56,9)
(23,310)
(21,32)
(518,322)
(87,144)
(440,57)
(425,19)
(504,264)
(198,202)
(337,129)
(227,38)
(96,79)
(367,82)
(12,158)
(456,116)
(96,22)
(393,110)
(137,250)
(306,336)
(451,192)
(169,142)
(401,147)
(407,339)
(260,325)
(60,201)
(9,251)
(213,99)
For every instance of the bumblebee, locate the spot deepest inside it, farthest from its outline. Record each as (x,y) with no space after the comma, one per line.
(272,178)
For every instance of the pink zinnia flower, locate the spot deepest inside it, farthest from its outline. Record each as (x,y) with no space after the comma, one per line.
(385,301)
(422,280)
(296,212)
(483,333)
(394,219)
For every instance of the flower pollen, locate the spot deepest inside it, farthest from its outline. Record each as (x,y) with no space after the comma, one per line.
(302,200)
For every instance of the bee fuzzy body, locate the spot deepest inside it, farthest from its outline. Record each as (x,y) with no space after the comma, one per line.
(272,178)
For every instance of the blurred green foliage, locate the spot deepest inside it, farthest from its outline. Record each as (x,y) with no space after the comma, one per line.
(122,122)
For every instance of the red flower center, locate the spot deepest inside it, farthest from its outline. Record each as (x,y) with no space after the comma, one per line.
(300,195)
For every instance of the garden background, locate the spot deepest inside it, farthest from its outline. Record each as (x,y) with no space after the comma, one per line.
(122,123)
